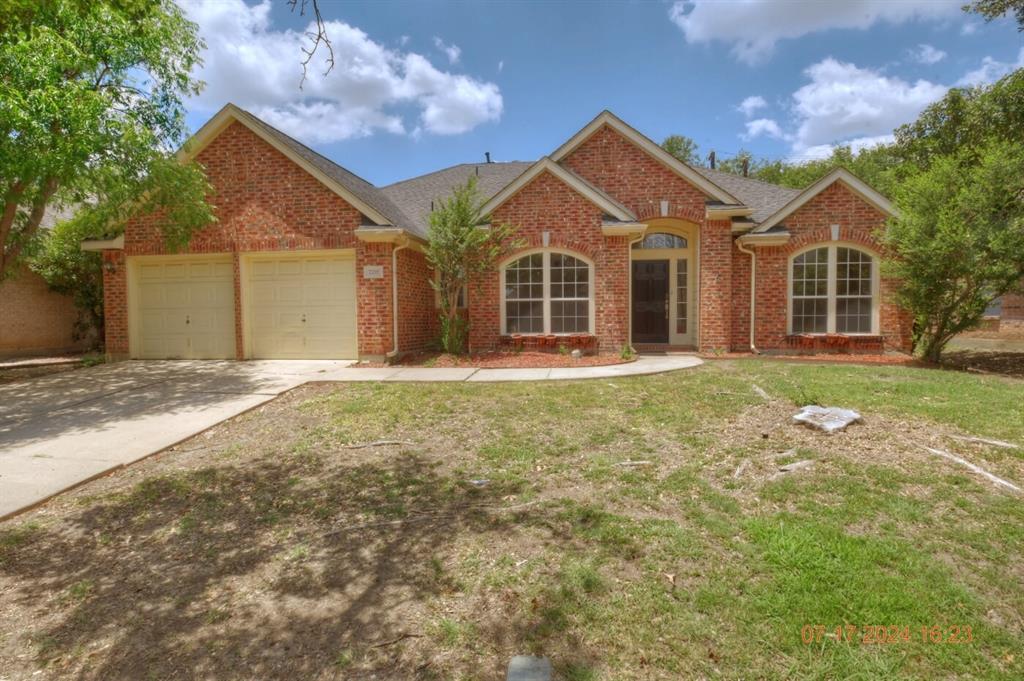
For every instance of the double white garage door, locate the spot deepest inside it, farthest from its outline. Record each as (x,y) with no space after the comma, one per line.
(298,306)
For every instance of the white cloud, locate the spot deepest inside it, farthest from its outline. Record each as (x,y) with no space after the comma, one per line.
(501,66)
(970,28)
(453,52)
(753,27)
(751,104)
(250,63)
(763,126)
(843,102)
(990,71)
(926,54)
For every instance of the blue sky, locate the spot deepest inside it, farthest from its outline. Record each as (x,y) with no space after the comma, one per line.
(418,86)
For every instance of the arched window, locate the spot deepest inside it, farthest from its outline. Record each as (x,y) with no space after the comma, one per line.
(833,289)
(661,240)
(547,292)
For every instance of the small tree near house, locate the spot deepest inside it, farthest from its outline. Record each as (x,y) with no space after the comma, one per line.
(461,246)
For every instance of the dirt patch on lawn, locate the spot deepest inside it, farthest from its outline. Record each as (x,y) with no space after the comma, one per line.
(988,362)
(503,360)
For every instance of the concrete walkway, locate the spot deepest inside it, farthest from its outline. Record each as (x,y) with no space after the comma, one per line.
(60,430)
(643,365)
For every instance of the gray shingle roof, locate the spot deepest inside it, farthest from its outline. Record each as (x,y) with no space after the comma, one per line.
(414,196)
(763,197)
(407,204)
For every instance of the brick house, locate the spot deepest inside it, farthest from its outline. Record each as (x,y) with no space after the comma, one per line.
(625,245)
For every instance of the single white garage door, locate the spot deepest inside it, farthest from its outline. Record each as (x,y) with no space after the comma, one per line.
(184,308)
(302,306)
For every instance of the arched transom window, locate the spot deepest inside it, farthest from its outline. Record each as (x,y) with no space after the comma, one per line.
(661,240)
(833,289)
(547,292)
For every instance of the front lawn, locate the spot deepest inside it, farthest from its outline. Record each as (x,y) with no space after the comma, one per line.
(626,528)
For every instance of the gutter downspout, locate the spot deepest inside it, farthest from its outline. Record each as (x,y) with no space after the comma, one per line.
(753,299)
(394,297)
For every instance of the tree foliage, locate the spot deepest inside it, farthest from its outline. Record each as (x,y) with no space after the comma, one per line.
(878,166)
(58,257)
(459,248)
(993,9)
(958,240)
(91,100)
(683,148)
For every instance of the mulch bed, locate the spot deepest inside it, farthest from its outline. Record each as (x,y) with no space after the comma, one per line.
(893,359)
(500,359)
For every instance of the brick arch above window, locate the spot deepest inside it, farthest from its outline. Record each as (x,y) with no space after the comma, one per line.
(858,237)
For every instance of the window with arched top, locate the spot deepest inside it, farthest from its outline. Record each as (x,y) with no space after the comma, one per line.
(833,289)
(661,240)
(547,292)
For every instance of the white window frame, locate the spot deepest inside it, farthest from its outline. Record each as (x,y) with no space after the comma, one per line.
(833,261)
(546,290)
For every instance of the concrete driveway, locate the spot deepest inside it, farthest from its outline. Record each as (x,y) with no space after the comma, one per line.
(60,430)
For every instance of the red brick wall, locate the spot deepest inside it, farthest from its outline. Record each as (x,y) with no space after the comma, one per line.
(264,202)
(574,225)
(417,313)
(33,318)
(1013,307)
(633,177)
(811,224)
(115,302)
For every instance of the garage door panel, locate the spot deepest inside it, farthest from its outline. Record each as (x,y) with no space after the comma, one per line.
(303,307)
(184,309)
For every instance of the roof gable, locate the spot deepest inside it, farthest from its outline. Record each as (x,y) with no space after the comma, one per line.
(577,183)
(350,187)
(607,118)
(848,179)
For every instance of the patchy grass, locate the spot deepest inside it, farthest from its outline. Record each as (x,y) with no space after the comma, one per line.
(508,526)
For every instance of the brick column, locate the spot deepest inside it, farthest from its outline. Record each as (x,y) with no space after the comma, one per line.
(115,304)
(374,301)
(716,290)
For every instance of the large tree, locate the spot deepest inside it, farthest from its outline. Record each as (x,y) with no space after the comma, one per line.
(958,241)
(91,103)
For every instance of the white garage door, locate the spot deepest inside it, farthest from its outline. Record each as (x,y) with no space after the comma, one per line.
(302,307)
(185,308)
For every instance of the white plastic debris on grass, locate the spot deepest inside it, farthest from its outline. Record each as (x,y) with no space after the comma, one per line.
(828,419)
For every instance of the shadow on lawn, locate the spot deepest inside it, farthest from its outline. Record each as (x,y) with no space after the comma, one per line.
(240,571)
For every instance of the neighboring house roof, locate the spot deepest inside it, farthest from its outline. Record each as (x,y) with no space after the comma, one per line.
(687,172)
(599,198)
(763,197)
(417,196)
(857,185)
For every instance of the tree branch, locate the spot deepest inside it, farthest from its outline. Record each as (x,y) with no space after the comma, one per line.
(319,38)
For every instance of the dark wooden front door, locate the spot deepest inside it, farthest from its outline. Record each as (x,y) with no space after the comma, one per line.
(650,301)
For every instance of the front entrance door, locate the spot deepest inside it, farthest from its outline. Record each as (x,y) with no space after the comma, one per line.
(650,301)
